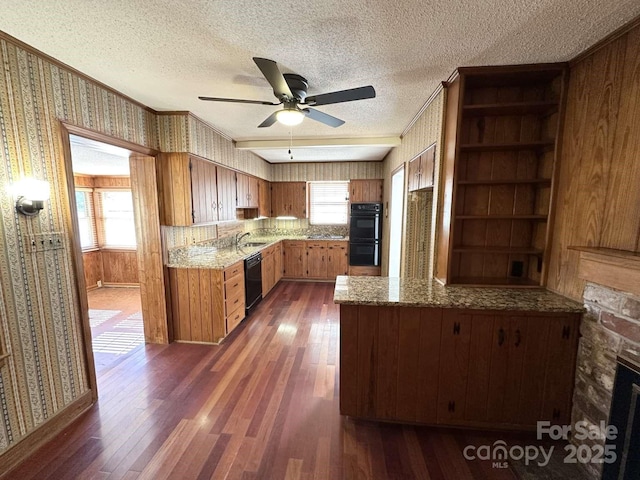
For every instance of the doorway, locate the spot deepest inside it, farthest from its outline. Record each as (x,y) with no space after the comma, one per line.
(397,215)
(146,262)
(109,248)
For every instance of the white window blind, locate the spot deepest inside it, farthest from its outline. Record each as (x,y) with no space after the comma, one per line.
(116,225)
(86,218)
(328,203)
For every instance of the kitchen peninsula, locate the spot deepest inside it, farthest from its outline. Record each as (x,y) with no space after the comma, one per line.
(416,351)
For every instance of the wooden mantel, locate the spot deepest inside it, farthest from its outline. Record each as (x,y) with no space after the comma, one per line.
(619,269)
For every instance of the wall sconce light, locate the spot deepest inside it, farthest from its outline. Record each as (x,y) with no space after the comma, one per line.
(30,195)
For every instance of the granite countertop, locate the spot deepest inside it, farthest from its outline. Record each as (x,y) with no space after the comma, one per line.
(385,291)
(220,258)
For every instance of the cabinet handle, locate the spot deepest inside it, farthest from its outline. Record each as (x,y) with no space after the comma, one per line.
(456,328)
(236,301)
(566,331)
(500,337)
(220,206)
(518,338)
(451,406)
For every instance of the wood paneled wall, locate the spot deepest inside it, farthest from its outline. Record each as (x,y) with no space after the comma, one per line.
(92,262)
(598,200)
(119,267)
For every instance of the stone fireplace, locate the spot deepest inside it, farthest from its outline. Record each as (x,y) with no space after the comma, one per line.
(610,326)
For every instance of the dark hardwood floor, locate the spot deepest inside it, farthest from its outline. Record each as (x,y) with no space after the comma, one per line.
(263,405)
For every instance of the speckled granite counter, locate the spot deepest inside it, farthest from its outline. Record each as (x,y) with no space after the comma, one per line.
(386,291)
(220,258)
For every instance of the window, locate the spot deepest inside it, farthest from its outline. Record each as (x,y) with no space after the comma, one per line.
(84,203)
(328,203)
(116,223)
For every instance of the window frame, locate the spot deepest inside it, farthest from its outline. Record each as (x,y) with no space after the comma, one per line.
(101,219)
(343,210)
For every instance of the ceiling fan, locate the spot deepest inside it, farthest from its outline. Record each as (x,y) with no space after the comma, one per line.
(291,90)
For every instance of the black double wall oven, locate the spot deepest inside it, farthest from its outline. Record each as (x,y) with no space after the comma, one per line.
(365,234)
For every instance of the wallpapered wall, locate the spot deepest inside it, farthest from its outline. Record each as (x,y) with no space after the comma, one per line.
(296,172)
(424,132)
(39,309)
(39,316)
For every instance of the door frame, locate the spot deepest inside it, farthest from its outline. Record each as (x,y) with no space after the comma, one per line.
(403,216)
(142,202)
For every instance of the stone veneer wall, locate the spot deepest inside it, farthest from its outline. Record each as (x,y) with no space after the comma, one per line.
(610,325)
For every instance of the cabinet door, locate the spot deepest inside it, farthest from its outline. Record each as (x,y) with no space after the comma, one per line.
(278,205)
(267,270)
(174,185)
(337,260)
(278,263)
(414,174)
(560,363)
(298,199)
(204,196)
(295,260)
(454,366)
(226,194)
(427,163)
(365,190)
(479,370)
(316,260)
(264,198)
(247,191)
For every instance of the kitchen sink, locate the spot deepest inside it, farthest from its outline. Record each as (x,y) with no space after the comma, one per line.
(252,244)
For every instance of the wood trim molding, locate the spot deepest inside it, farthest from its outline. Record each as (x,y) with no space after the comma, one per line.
(101,137)
(613,36)
(43,434)
(433,95)
(619,269)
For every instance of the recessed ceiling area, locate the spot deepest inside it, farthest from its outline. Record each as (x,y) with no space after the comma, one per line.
(165,54)
(93,158)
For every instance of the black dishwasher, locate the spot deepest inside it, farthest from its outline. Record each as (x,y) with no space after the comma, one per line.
(252,280)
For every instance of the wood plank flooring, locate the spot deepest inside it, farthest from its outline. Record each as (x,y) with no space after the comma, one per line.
(263,405)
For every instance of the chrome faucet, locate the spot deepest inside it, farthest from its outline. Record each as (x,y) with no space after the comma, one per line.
(240,236)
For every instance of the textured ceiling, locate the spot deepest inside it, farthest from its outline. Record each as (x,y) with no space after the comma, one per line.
(89,157)
(165,53)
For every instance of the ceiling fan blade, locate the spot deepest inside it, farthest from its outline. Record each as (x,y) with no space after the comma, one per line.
(272,73)
(322,117)
(270,120)
(237,100)
(350,95)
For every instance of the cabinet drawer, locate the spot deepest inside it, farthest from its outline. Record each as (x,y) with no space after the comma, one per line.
(235,318)
(338,245)
(316,244)
(232,302)
(235,269)
(233,286)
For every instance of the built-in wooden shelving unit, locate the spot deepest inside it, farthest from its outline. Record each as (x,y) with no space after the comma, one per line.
(501,130)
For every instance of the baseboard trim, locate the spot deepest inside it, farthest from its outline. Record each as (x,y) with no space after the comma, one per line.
(19,452)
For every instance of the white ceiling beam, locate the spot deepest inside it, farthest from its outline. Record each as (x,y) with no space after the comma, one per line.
(320,143)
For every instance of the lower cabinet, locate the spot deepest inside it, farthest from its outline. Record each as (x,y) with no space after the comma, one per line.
(315,259)
(271,267)
(206,304)
(457,367)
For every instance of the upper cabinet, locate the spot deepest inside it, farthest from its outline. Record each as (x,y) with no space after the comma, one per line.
(421,170)
(501,130)
(193,190)
(264,198)
(226,194)
(247,188)
(361,191)
(289,199)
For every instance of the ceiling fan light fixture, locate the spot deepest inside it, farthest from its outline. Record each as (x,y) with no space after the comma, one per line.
(290,116)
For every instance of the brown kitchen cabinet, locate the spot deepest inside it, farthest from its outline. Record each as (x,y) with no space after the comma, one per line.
(289,199)
(264,198)
(270,265)
(247,191)
(421,170)
(362,191)
(294,259)
(499,158)
(474,368)
(193,191)
(337,259)
(226,194)
(207,304)
(316,259)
